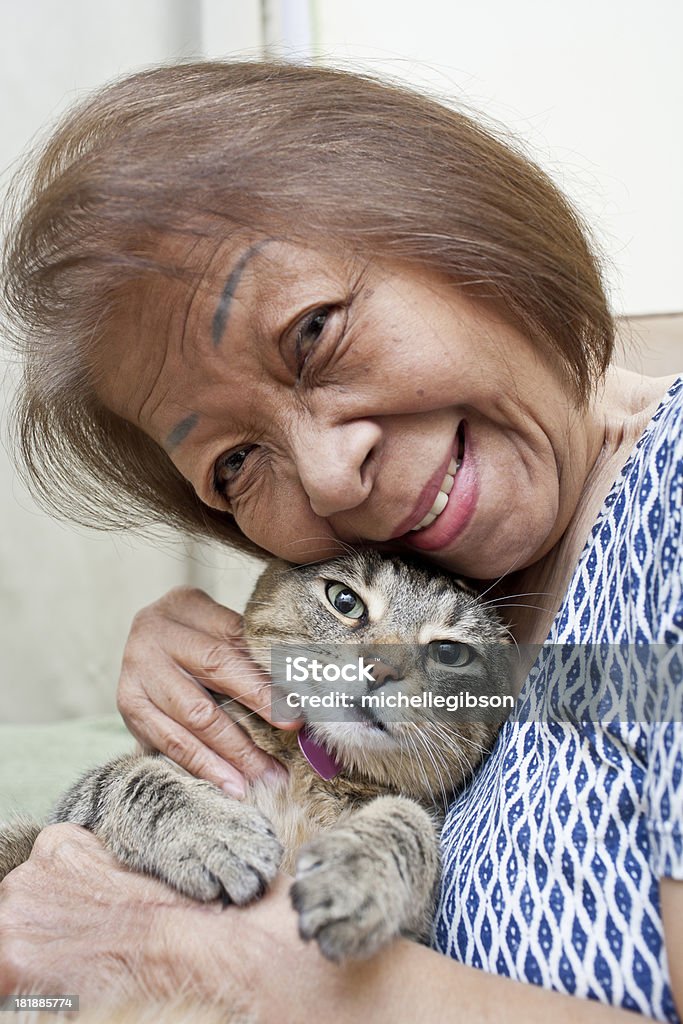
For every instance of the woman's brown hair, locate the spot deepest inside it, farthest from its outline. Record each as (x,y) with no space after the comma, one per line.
(315,155)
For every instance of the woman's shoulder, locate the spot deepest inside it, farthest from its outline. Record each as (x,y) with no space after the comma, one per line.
(649,495)
(629,580)
(663,432)
(651,491)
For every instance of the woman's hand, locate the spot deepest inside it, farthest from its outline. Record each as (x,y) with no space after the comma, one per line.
(183,640)
(72,920)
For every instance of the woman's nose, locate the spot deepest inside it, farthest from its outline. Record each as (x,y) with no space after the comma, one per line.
(333,463)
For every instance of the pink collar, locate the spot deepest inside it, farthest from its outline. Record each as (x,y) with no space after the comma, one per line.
(319,758)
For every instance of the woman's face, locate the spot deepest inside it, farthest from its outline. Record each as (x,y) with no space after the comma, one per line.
(327,401)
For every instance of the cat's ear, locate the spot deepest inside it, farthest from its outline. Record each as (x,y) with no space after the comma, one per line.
(275,568)
(278,573)
(271,561)
(465,585)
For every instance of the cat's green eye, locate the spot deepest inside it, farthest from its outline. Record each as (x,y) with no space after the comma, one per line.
(344,600)
(450,653)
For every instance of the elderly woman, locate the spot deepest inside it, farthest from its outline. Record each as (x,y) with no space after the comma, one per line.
(269,304)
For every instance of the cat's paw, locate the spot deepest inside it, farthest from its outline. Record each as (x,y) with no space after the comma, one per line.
(212,847)
(343,898)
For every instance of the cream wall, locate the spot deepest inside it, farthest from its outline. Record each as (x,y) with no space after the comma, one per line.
(594,88)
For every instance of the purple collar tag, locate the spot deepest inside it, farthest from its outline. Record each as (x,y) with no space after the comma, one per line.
(320,759)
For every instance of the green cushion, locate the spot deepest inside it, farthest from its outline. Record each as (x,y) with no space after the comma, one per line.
(38,762)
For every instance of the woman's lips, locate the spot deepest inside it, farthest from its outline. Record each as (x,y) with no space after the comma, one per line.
(426,499)
(460,506)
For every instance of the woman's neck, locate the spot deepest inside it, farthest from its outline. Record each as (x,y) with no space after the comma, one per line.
(620,412)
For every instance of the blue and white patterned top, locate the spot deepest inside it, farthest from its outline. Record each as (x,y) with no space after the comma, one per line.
(553,855)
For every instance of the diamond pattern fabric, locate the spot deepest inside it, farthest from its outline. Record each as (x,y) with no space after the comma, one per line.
(553,855)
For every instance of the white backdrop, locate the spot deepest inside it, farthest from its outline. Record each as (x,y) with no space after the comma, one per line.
(594,88)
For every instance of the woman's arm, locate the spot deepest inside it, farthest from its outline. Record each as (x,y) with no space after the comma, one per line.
(72,920)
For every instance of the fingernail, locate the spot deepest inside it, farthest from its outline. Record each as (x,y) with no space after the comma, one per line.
(289,723)
(234,788)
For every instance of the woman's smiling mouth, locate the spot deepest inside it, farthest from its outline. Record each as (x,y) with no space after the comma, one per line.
(446,486)
(452,508)
(441,499)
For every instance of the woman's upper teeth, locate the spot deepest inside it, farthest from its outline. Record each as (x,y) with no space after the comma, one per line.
(441,499)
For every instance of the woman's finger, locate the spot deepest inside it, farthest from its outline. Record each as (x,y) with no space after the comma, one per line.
(218,662)
(219,665)
(199,736)
(193,607)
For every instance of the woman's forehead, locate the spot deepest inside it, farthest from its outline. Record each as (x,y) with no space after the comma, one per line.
(261,271)
(221,293)
(221,315)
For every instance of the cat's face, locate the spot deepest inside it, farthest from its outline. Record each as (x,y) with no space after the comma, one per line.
(416,633)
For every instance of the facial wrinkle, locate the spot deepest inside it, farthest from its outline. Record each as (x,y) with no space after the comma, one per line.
(181,430)
(222,314)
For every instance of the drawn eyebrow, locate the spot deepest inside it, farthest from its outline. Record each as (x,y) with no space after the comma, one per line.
(181,431)
(220,317)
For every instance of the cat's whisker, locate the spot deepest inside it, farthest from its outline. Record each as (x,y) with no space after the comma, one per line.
(325,546)
(462,766)
(447,736)
(250,714)
(518,604)
(513,640)
(478,748)
(495,583)
(438,773)
(412,748)
(209,681)
(321,537)
(465,765)
(419,761)
(495,601)
(237,698)
(401,752)
(424,740)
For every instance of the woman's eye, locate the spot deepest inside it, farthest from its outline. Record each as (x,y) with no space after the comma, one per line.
(228,467)
(344,600)
(308,334)
(450,653)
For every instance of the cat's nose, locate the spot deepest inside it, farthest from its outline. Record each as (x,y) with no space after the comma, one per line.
(382,672)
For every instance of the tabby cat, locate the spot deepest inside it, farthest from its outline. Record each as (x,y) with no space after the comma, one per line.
(356,819)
